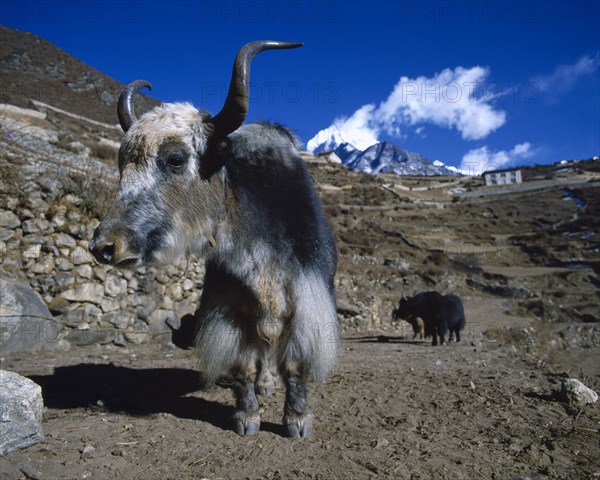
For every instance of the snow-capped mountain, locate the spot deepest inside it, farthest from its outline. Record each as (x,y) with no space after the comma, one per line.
(326,140)
(384,157)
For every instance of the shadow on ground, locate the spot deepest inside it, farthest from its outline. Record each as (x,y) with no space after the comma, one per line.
(136,392)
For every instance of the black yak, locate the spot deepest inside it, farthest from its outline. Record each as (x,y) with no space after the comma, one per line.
(440,314)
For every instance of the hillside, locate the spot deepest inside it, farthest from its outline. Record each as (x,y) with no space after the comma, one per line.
(119,380)
(32,68)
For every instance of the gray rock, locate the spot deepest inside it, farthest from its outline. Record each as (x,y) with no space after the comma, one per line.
(74,216)
(173,321)
(85,271)
(132,284)
(36,225)
(9,220)
(167,303)
(138,333)
(87,335)
(100,272)
(35,240)
(576,395)
(20,413)
(76,229)
(7,234)
(162,277)
(63,280)
(44,266)
(114,286)
(109,305)
(58,220)
(74,199)
(186,307)
(87,314)
(58,305)
(63,264)
(26,214)
(141,312)
(86,292)
(119,319)
(175,292)
(80,256)
(26,324)
(162,323)
(62,240)
(134,300)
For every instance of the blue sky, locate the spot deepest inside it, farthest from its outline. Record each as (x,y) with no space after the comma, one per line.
(480,83)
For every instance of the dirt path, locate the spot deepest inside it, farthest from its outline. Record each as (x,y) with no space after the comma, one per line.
(393,409)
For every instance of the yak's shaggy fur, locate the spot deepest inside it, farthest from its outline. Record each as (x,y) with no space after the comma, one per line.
(248,205)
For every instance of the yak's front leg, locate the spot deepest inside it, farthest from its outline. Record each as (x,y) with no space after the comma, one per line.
(246,420)
(297,420)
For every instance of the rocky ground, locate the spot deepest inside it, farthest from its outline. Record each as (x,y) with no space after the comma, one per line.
(122,396)
(397,409)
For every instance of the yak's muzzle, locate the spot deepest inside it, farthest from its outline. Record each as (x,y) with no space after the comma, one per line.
(112,248)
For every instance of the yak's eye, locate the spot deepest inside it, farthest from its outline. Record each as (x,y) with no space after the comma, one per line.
(176,161)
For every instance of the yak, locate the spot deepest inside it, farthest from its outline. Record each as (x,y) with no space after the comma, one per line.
(241,197)
(439,313)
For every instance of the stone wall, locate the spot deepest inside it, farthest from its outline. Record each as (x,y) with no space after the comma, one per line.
(52,200)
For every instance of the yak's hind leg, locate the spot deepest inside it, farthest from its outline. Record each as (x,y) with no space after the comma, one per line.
(308,349)
(246,420)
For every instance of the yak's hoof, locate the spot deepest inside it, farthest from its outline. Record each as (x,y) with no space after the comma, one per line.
(246,423)
(298,426)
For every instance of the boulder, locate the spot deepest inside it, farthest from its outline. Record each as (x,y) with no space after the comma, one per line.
(575,394)
(21,413)
(26,324)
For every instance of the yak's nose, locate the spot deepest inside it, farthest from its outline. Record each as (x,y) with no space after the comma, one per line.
(111,249)
(103,251)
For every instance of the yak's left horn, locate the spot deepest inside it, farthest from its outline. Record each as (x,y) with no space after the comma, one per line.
(125,109)
(233,113)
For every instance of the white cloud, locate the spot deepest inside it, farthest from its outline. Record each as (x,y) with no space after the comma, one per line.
(479,160)
(360,129)
(565,76)
(448,99)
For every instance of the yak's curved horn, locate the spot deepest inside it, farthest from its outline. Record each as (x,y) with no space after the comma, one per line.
(233,113)
(125,109)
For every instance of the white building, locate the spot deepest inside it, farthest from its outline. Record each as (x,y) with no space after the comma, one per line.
(503,177)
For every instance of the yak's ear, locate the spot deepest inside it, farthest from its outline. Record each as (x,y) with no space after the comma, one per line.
(213,158)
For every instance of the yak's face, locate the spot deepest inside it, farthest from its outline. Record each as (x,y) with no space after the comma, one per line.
(162,208)
(404,310)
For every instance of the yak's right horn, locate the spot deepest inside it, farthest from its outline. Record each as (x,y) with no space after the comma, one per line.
(125,109)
